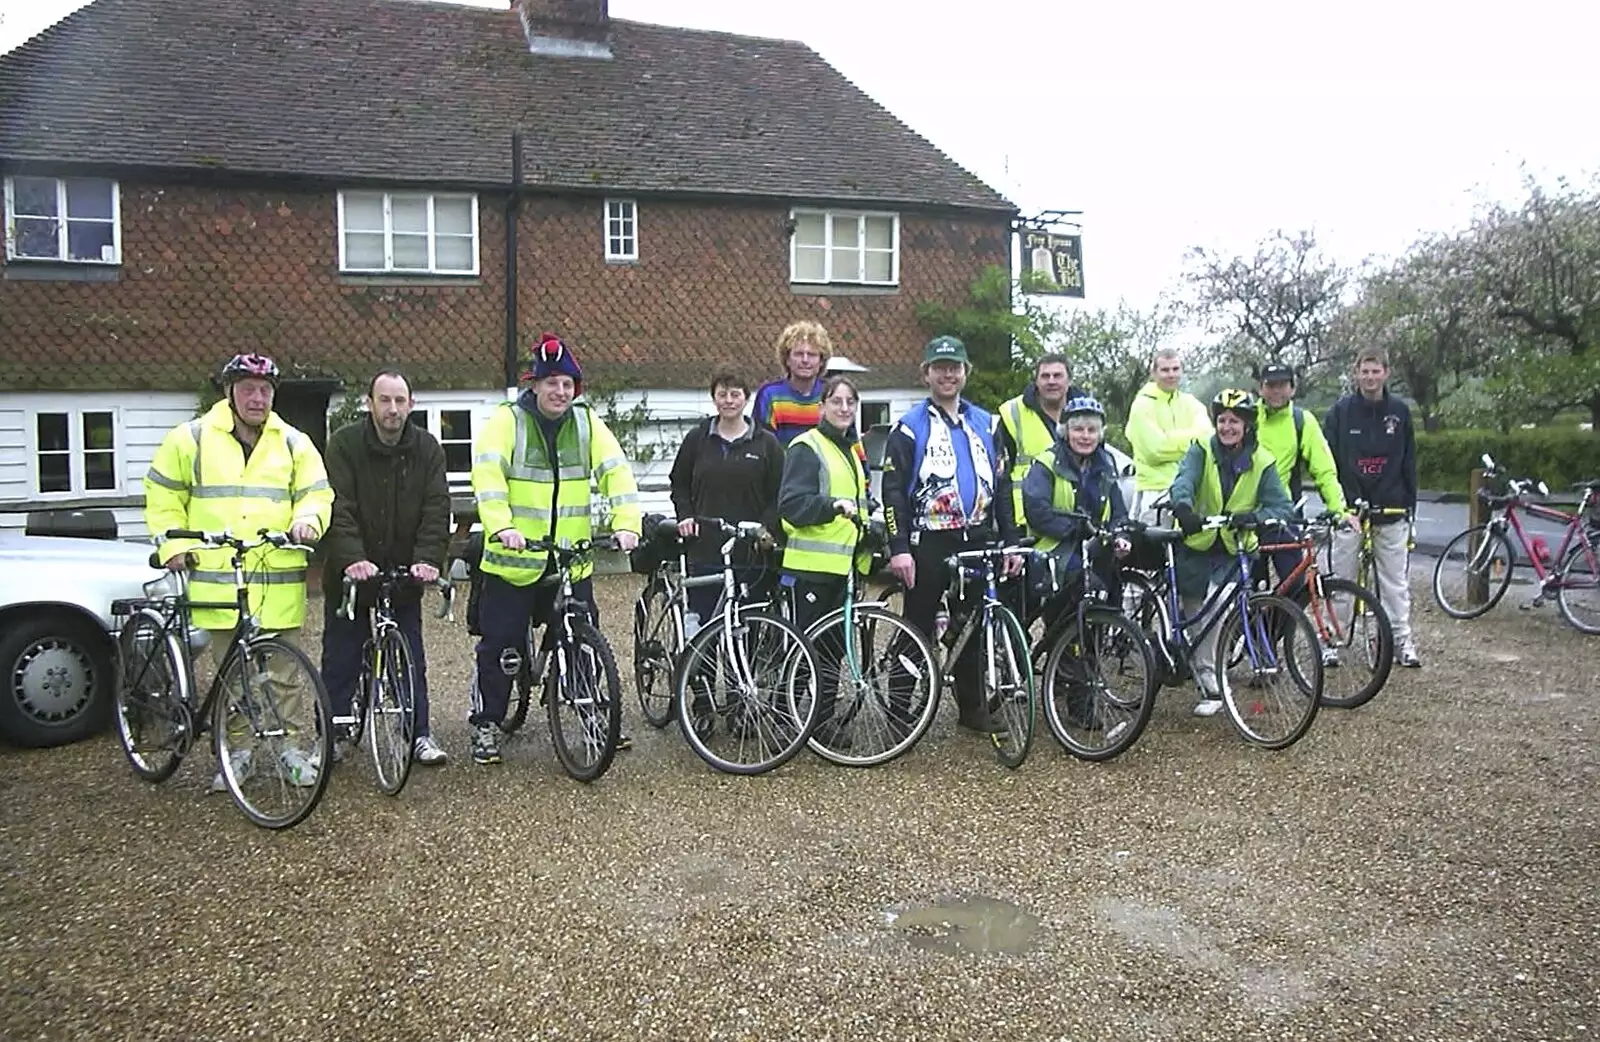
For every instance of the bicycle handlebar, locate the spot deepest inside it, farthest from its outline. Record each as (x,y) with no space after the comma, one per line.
(265,537)
(398,575)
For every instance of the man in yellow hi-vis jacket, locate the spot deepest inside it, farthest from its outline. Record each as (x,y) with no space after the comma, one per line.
(240,467)
(532,468)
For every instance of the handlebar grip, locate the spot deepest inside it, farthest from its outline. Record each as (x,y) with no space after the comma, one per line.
(184,533)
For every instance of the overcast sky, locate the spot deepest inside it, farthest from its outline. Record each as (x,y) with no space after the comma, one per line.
(1173,123)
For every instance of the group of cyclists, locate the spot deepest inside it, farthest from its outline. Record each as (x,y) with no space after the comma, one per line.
(954,477)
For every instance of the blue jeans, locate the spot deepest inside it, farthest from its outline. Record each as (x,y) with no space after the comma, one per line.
(342,641)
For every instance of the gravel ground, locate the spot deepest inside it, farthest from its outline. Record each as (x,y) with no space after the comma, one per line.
(1423,868)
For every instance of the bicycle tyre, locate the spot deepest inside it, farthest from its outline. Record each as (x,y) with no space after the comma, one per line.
(1306,677)
(232,688)
(1127,721)
(1580,573)
(587,683)
(776,725)
(903,646)
(521,687)
(1498,562)
(654,653)
(1368,637)
(1013,702)
(391,713)
(161,701)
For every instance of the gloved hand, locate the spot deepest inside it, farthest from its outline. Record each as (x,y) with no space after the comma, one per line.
(1187,519)
(1247,519)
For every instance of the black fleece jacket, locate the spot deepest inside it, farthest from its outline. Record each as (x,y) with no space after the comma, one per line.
(736,481)
(1374,446)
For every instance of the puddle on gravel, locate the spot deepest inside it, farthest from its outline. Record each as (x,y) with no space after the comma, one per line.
(976,925)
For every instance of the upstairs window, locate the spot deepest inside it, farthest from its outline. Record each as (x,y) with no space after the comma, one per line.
(408,233)
(67,219)
(833,246)
(622,230)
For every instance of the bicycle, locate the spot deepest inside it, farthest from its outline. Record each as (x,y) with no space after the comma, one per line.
(575,670)
(745,684)
(1100,678)
(1277,640)
(1352,627)
(385,689)
(1484,556)
(158,720)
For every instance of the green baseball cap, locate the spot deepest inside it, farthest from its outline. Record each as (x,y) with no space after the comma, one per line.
(945,349)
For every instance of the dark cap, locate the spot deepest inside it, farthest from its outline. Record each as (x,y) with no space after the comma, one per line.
(945,349)
(1277,371)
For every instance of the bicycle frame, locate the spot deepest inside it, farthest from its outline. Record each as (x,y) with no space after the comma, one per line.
(1176,628)
(1573,533)
(381,620)
(985,612)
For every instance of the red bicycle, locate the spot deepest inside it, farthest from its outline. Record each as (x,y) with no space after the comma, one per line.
(1474,571)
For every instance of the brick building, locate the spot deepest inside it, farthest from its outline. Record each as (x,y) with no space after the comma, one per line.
(353,183)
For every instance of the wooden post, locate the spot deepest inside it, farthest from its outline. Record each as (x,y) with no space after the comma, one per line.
(1477,514)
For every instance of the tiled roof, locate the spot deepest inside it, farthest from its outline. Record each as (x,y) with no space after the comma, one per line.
(409,91)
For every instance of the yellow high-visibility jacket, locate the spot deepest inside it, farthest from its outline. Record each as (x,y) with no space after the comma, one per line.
(201,480)
(518,486)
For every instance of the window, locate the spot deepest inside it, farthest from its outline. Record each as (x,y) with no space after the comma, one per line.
(454,434)
(71,219)
(408,233)
(833,246)
(75,453)
(874,414)
(622,230)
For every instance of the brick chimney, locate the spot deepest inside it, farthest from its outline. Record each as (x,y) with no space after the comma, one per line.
(569,28)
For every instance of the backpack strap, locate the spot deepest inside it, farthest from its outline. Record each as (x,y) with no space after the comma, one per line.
(1297,473)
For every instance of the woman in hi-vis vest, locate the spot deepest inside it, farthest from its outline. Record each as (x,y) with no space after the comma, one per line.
(823,494)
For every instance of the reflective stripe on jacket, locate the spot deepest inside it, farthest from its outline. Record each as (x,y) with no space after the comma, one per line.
(201,480)
(827,548)
(1033,440)
(518,486)
(1064,500)
(1246,497)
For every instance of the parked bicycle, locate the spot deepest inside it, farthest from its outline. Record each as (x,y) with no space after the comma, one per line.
(1268,660)
(383,706)
(1354,631)
(1474,570)
(574,670)
(266,707)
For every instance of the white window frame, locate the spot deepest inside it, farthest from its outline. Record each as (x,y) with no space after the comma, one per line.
(388,267)
(63,230)
(77,472)
(831,277)
(628,219)
(434,412)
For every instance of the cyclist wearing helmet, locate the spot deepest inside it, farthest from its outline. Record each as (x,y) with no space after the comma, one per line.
(1077,475)
(241,467)
(1229,473)
(533,466)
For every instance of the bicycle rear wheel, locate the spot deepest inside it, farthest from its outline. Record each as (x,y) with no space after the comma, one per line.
(1578,592)
(1478,560)
(584,701)
(273,733)
(1009,688)
(1271,691)
(1098,696)
(154,722)
(1357,640)
(391,722)
(882,707)
(751,695)
(655,648)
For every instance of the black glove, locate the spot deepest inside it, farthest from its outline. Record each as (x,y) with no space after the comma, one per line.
(1248,519)
(1187,519)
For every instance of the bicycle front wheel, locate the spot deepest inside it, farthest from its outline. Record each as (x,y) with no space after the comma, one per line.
(1272,687)
(1578,592)
(880,693)
(748,696)
(584,701)
(1473,572)
(154,722)
(1008,684)
(1099,692)
(273,736)
(1357,640)
(655,646)
(392,712)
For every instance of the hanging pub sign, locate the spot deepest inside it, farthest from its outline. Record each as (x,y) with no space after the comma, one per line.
(1059,258)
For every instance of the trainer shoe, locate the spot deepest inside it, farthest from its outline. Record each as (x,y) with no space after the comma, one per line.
(1407,656)
(240,758)
(1330,658)
(485,744)
(298,768)
(428,752)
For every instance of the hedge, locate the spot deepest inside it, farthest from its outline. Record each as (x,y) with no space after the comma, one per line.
(1558,456)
